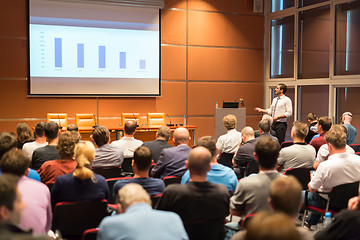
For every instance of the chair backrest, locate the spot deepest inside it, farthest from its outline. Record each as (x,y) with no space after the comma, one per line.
(59,118)
(130,116)
(301,174)
(155,199)
(156,119)
(205,230)
(226,159)
(246,220)
(85,120)
(108,172)
(90,234)
(252,167)
(126,165)
(73,218)
(111,182)
(356,147)
(286,144)
(341,194)
(171,180)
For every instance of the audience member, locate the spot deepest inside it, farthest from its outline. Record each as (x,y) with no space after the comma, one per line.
(323,153)
(40,140)
(49,152)
(74,129)
(50,170)
(228,142)
(11,208)
(172,160)
(106,155)
(345,224)
(218,173)
(244,156)
(300,154)
(37,213)
(128,143)
(264,129)
(346,119)
(197,200)
(24,134)
(138,221)
(8,142)
(141,165)
(313,121)
(160,143)
(82,184)
(270,119)
(251,193)
(340,168)
(323,126)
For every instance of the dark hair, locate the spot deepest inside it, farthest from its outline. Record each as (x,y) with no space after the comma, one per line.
(72,128)
(101,135)
(209,143)
(325,123)
(7,142)
(24,133)
(283,87)
(264,125)
(40,129)
(267,152)
(51,130)
(142,158)
(66,144)
(301,129)
(8,185)
(130,127)
(312,116)
(165,132)
(15,162)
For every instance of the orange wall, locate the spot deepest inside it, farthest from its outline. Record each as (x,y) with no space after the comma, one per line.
(211,51)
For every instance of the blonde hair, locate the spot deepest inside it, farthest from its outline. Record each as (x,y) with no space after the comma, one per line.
(84,155)
(132,193)
(229,121)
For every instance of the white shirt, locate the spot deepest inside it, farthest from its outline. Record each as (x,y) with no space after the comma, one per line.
(283,107)
(339,169)
(127,145)
(30,147)
(228,142)
(323,152)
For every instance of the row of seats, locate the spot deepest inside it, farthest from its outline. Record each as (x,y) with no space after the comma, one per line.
(87,120)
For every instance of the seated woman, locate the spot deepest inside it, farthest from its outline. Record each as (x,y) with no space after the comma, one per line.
(50,170)
(24,135)
(82,184)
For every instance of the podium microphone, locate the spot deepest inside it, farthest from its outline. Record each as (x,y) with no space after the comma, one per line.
(137,125)
(60,127)
(170,124)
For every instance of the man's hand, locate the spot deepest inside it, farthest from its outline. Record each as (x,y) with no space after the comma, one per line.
(354,203)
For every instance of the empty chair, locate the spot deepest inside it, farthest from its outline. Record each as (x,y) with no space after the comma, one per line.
(126,167)
(130,116)
(60,118)
(156,119)
(111,182)
(85,120)
(171,180)
(111,172)
(226,159)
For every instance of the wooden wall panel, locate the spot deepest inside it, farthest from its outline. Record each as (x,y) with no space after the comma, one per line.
(223,64)
(206,126)
(234,6)
(175,4)
(13,18)
(203,96)
(173,62)
(173,26)
(13,58)
(215,29)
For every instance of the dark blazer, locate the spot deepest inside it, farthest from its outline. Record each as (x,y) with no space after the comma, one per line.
(156,147)
(245,157)
(171,162)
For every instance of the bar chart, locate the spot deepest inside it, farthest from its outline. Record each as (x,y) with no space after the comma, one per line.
(67,51)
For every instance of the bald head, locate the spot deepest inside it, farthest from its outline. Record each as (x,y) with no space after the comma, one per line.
(181,136)
(199,161)
(130,127)
(247,131)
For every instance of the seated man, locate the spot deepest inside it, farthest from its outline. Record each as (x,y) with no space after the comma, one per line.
(300,154)
(106,155)
(137,220)
(251,193)
(228,142)
(128,143)
(197,200)
(218,173)
(340,168)
(141,165)
(244,156)
(264,129)
(11,208)
(313,121)
(37,214)
(40,140)
(323,126)
(172,160)
(160,143)
(49,152)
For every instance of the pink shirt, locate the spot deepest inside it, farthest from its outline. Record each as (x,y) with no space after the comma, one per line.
(37,214)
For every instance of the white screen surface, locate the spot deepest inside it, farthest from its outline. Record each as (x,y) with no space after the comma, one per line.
(92,49)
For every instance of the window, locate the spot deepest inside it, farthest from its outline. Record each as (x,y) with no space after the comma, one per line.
(278,5)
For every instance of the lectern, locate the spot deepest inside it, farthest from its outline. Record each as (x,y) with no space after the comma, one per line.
(220,113)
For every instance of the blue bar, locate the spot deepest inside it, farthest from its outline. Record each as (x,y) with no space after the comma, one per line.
(122,60)
(80,55)
(101,56)
(58,52)
(142,64)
